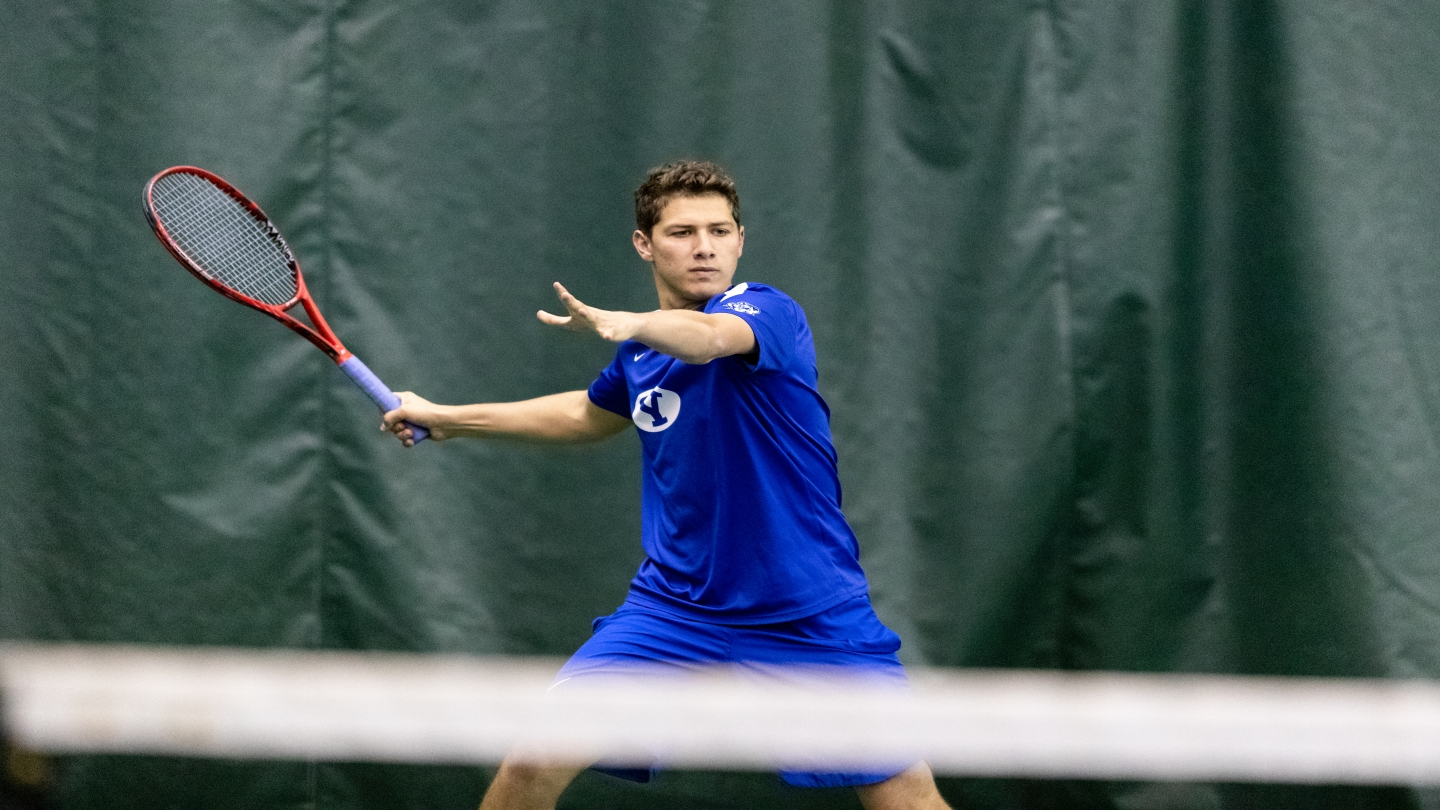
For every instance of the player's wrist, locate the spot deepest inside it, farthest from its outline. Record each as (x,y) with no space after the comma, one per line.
(632,325)
(434,417)
(618,326)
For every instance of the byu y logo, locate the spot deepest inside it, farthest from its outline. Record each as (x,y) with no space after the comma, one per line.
(656,410)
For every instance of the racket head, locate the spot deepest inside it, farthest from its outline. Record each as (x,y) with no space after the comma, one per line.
(223,238)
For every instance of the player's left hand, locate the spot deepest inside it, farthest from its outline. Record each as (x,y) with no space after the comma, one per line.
(614,326)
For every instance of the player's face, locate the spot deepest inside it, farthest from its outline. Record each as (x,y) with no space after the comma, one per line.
(693,249)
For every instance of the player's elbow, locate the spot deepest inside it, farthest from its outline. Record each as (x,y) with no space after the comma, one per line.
(696,358)
(588,423)
(715,344)
(584,433)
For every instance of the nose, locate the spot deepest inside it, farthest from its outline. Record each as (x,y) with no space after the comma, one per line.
(705,249)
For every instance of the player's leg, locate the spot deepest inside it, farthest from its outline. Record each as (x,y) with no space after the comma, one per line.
(912,789)
(527,786)
(848,641)
(630,641)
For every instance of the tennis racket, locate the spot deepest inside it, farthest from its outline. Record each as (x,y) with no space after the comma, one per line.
(226,241)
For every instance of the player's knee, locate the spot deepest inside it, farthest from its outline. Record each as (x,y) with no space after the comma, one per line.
(521,773)
(912,789)
(531,778)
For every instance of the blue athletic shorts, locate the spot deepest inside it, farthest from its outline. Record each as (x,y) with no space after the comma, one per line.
(638,638)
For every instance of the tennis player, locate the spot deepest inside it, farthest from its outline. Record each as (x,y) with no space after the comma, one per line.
(749,561)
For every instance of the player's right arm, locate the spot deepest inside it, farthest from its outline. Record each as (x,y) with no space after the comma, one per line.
(568,417)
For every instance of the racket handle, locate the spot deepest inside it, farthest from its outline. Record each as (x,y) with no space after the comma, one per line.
(378,392)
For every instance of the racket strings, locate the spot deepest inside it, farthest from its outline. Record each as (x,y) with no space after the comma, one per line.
(224,239)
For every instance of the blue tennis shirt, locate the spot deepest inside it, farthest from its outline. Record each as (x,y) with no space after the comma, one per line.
(740,493)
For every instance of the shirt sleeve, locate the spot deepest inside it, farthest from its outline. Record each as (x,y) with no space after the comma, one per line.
(772,316)
(609,390)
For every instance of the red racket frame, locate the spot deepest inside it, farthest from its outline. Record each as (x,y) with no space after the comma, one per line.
(320,334)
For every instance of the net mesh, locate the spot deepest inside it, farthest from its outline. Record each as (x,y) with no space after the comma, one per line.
(335,706)
(223,239)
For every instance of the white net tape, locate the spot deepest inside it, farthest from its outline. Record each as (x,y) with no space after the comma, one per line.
(356,706)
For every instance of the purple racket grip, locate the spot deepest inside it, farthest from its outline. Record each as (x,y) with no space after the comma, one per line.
(376,390)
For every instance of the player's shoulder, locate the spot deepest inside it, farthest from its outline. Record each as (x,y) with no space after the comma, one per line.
(747,295)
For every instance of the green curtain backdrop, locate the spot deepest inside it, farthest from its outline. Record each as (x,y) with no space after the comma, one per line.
(1128,314)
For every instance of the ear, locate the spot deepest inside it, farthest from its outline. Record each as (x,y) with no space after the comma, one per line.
(741,232)
(642,244)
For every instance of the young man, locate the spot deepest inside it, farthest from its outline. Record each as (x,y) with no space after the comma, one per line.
(749,561)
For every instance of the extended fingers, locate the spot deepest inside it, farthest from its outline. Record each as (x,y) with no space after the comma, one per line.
(577,319)
(571,302)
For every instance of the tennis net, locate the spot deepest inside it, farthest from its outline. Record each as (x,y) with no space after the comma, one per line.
(350,706)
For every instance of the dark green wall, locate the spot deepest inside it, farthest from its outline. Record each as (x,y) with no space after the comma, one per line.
(1128,313)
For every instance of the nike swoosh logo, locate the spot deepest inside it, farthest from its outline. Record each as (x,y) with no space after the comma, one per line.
(736,290)
(640,355)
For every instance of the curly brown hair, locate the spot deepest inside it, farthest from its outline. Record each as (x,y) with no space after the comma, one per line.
(687,178)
